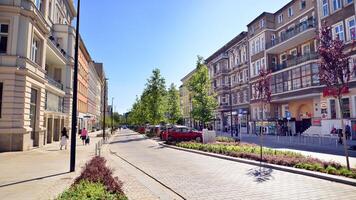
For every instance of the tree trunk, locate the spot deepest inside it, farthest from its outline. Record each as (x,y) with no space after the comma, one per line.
(261,135)
(343,132)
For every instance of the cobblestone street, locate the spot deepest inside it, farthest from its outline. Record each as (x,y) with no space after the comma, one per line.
(196,176)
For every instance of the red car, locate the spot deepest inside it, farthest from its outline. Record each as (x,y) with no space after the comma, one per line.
(181,133)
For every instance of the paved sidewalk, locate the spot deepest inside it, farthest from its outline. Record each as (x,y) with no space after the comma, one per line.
(41,173)
(196,176)
(325,152)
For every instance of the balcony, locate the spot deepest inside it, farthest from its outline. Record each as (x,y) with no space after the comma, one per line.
(294,61)
(54,83)
(304,31)
(222,71)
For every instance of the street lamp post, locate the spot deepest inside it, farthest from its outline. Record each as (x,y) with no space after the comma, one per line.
(104,109)
(112,114)
(231,121)
(75,96)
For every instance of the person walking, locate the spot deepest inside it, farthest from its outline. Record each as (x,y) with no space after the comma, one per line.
(64,138)
(84,135)
(347,131)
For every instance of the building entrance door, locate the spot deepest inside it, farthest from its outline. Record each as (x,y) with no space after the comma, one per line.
(33,115)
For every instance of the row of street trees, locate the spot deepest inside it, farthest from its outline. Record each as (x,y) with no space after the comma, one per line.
(158,105)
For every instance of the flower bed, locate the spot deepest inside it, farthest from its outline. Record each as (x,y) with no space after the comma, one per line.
(285,158)
(96,181)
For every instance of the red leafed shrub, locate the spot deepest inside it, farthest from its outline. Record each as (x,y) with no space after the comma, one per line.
(96,171)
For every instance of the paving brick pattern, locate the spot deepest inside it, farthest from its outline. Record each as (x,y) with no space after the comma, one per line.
(201,177)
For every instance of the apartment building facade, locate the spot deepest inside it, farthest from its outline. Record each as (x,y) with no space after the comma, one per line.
(94,98)
(285,43)
(84,60)
(289,52)
(186,100)
(229,72)
(36,59)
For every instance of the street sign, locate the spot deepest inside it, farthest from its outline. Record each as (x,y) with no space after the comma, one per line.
(288,115)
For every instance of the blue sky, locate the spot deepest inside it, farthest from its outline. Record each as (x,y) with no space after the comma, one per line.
(132,37)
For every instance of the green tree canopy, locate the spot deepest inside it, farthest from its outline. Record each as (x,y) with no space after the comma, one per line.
(173,105)
(203,99)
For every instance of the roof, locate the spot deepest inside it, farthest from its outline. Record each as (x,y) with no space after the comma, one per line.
(231,43)
(259,17)
(188,75)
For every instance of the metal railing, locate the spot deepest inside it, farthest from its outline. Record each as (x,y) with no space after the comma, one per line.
(294,61)
(54,82)
(290,33)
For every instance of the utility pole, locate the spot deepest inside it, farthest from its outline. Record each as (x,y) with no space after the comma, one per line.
(112,114)
(75,97)
(104,109)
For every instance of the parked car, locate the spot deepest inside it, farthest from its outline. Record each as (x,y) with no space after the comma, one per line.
(181,133)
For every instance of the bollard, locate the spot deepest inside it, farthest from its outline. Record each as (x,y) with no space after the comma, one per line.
(96,149)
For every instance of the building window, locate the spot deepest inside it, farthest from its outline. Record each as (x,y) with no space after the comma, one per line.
(290,12)
(1,92)
(325,8)
(279,83)
(345,103)
(306,76)
(262,23)
(339,32)
(351,29)
(39,5)
(273,84)
(315,74)
(303,4)
(280,18)
(35,50)
(287,85)
(348,1)
(306,49)
(332,109)
(296,78)
(4,33)
(336,4)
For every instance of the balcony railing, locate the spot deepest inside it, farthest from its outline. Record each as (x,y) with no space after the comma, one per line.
(290,33)
(58,46)
(54,82)
(294,61)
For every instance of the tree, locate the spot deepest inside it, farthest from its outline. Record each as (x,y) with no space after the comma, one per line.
(262,94)
(155,91)
(203,100)
(334,72)
(173,105)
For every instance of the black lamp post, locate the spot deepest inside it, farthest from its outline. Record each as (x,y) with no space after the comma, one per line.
(230,95)
(104,109)
(112,114)
(75,96)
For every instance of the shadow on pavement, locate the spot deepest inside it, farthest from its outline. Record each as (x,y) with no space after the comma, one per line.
(33,179)
(261,174)
(128,140)
(125,135)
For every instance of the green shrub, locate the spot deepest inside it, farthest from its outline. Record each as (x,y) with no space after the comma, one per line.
(88,190)
(331,170)
(225,139)
(272,156)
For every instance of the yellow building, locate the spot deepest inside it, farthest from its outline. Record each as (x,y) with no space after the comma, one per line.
(186,100)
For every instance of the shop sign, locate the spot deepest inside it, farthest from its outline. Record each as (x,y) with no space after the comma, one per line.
(333,91)
(323,105)
(316,122)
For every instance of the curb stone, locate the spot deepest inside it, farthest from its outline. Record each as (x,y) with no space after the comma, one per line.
(328,177)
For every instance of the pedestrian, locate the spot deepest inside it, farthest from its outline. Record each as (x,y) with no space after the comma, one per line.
(347,131)
(339,135)
(64,138)
(83,135)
